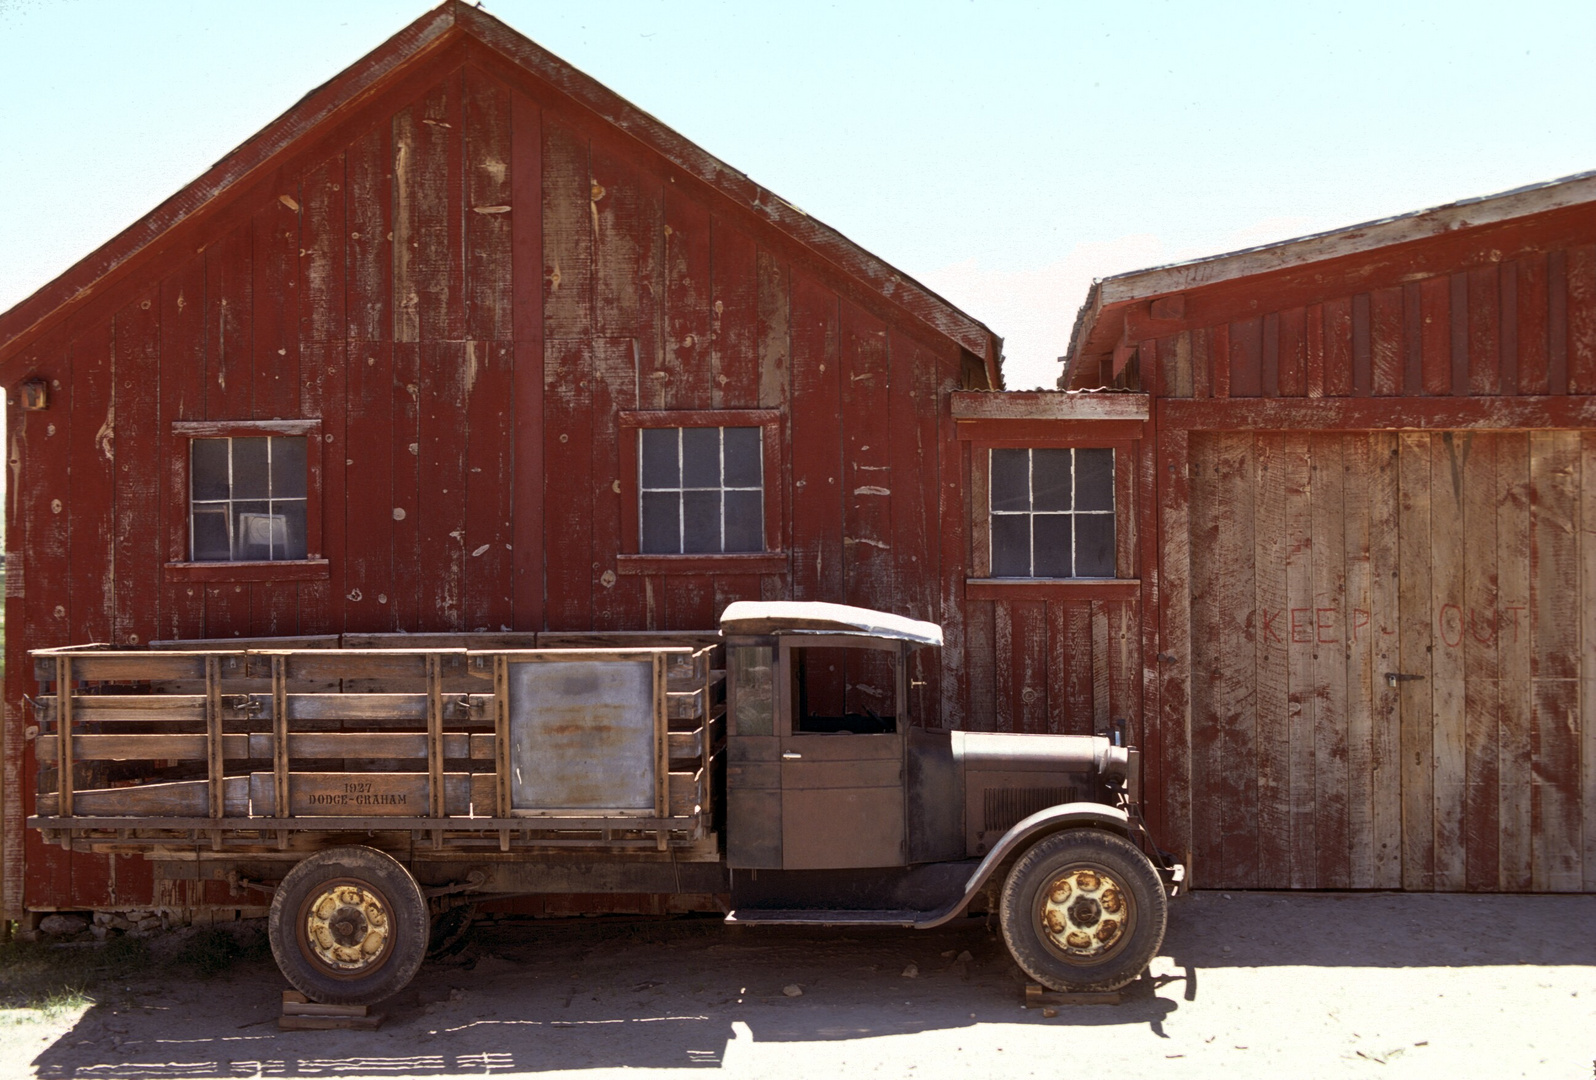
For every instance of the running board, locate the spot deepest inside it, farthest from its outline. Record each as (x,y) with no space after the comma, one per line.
(772,917)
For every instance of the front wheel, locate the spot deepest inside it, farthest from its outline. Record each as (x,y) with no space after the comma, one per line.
(1083,910)
(349,926)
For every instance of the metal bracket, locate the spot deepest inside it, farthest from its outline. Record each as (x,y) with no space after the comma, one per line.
(1394,677)
(473,882)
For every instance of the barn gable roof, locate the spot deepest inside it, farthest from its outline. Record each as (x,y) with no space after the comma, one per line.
(357,84)
(1118,310)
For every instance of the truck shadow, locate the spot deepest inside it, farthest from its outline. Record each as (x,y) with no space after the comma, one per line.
(584,994)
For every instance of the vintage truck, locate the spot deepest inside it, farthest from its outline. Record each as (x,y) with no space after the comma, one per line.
(374,787)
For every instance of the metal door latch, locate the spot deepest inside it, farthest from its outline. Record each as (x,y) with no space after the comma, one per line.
(1394,677)
(790,755)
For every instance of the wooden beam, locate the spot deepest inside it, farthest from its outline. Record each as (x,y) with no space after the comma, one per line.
(1380,414)
(1048,405)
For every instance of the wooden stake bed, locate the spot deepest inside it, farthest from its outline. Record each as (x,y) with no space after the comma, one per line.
(605,746)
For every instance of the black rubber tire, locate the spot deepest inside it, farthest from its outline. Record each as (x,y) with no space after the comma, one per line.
(1116,858)
(409,926)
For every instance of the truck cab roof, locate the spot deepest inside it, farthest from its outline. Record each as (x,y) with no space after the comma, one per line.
(757,617)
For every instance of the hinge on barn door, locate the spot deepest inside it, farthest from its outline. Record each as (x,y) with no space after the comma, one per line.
(1394,677)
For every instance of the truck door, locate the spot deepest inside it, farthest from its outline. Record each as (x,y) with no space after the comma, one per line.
(841,733)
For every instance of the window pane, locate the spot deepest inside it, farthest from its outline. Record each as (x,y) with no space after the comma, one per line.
(1094,545)
(1011,480)
(1052,538)
(661,531)
(1050,479)
(1011,544)
(249,468)
(288,467)
(745,525)
(1094,479)
(701,457)
(210,536)
(291,545)
(208,465)
(701,521)
(660,467)
(742,456)
(255,528)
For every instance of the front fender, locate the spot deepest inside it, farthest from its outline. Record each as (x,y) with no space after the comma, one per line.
(1054,818)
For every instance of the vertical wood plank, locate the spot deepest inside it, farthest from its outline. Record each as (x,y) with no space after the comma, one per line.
(369,227)
(1270,661)
(1482,674)
(1301,703)
(1556,818)
(1416,620)
(489,209)
(734,317)
(1412,339)
(1293,361)
(567,234)
(1271,355)
(1507,309)
(324,394)
(1332,827)
(181,388)
(1100,692)
(369,467)
(1582,319)
(980,658)
(1207,661)
(274,296)
(1385,637)
(1435,341)
(487,599)
(1246,358)
(1515,726)
(684,379)
(617,599)
(912,423)
(1459,332)
(1557,322)
(817,521)
(954,516)
(139,468)
(1531,284)
(228,368)
(1313,350)
(1219,359)
(1202,363)
(1179,674)
(1484,330)
(1357,480)
(404,597)
(568,411)
(1338,380)
(1235,691)
(1362,347)
(526,272)
(867,476)
(322,256)
(1587,653)
(1077,668)
(1448,461)
(1385,341)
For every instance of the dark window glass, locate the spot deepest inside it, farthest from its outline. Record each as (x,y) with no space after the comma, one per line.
(743,447)
(1094,479)
(247,498)
(1052,513)
(1011,480)
(701,521)
(700,490)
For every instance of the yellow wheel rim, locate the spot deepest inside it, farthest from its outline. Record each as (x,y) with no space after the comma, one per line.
(1084,915)
(346,928)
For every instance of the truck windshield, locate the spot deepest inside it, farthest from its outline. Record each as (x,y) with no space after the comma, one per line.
(844,691)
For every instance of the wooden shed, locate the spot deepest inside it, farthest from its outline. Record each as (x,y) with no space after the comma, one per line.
(1370,650)
(437,352)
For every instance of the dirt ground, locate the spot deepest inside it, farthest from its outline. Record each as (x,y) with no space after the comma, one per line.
(1249,984)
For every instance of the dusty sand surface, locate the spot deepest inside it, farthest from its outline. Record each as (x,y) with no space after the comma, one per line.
(1249,984)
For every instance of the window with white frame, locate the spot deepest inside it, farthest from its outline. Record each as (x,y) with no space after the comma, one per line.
(1052,513)
(700,490)
(247,498)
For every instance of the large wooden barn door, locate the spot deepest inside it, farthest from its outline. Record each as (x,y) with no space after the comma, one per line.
(1392,678)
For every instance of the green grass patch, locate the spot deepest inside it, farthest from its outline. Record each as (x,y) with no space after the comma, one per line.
(40,977)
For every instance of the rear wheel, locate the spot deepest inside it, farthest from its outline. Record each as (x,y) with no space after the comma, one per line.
(349,926)
(1083,910)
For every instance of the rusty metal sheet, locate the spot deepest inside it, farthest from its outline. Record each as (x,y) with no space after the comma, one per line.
(582,735)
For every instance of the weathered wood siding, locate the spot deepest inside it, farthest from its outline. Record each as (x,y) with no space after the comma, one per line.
(466,280)
(1387,613)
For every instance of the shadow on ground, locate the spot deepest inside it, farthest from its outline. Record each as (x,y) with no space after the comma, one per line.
(539,996)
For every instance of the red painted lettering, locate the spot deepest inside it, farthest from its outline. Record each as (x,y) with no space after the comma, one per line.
(1268,630)
(1490,628)
(1299,631)
(1321,624)
(1454,638)
(1360,619)
(1513,611)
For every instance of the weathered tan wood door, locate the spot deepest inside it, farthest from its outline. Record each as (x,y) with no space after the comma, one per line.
(1392,673)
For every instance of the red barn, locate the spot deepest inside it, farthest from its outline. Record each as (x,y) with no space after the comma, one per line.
(1370,658)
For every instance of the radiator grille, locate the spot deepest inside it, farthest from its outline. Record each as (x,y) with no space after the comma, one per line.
(1006,807)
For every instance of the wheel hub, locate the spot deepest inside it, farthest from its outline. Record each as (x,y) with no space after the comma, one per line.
(347,928)
(1084,914)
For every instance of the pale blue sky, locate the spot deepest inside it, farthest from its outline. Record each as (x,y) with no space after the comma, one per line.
(1003,153)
